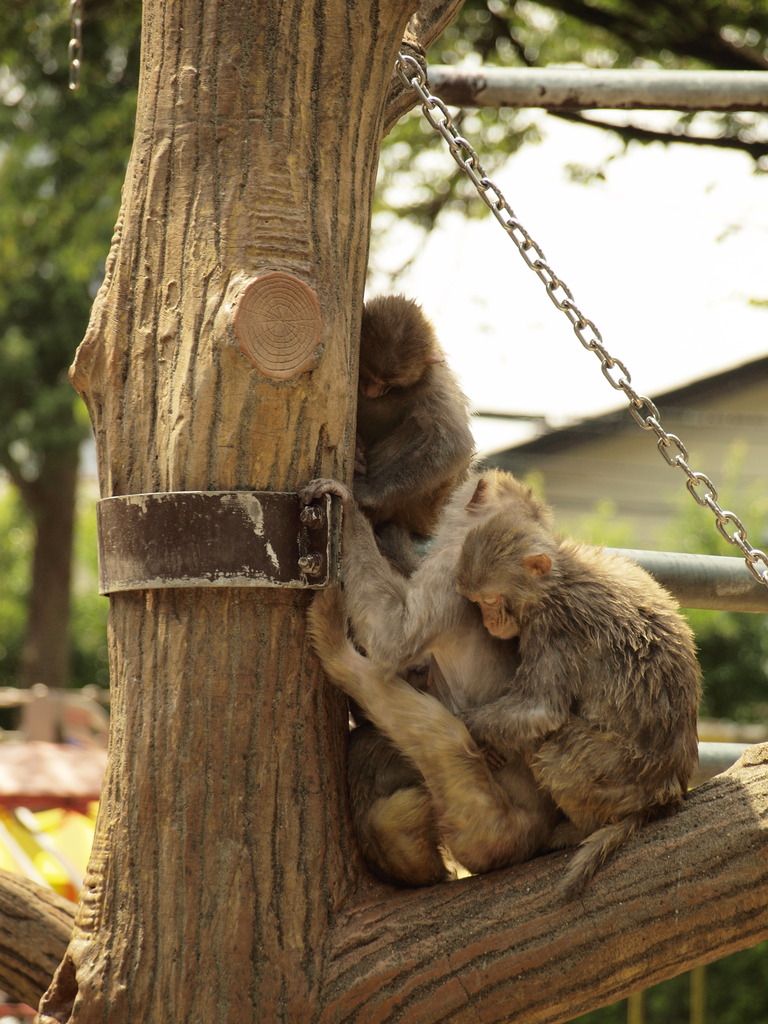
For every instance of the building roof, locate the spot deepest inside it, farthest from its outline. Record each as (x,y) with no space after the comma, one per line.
(687,400)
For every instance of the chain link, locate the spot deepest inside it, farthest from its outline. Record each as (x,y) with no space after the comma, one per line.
(642,409)
(75,49)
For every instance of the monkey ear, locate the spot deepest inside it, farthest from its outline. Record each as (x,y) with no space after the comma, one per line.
(434,357)
(538,565)
(480,495)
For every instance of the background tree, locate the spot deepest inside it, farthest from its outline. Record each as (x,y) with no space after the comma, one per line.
(62,162)
(600,34)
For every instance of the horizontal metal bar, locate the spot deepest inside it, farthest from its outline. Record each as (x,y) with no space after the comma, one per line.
(594,89)
(703,581)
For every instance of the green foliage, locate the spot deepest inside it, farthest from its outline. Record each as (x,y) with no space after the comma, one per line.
(681,34)
(15,555)
(733,646)
(736,991)
(62,163)
(602,526)
(89,608)
(89,611)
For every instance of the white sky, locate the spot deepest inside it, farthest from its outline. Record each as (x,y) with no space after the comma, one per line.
(664,256)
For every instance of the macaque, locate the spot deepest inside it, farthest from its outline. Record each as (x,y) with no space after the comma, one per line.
(604,701)
(413,438)
(461,803)
(571,666)
(486,818)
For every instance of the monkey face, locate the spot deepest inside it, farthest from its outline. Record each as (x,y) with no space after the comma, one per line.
(497,617)
(371,387)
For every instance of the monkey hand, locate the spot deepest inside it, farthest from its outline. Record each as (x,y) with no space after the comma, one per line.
(317,488)
(486,738)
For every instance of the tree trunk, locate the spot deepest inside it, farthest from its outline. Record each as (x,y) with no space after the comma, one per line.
(223,845)
(51,500)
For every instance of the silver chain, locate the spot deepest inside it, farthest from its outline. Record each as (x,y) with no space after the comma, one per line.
(75,50)
(643,410)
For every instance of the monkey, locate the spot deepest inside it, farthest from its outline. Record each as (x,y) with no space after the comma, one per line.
(413,445)
(605,699)
(414,442)
(401,621)
(486,820)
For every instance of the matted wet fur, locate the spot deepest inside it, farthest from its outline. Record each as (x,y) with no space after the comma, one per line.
(414,439)
(588,691)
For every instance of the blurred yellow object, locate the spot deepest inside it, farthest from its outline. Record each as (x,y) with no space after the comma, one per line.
(49,847)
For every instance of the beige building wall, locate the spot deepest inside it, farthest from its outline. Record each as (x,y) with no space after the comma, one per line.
(611,460)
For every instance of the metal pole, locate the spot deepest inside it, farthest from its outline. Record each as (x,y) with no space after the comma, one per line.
(587,88)
(703,581)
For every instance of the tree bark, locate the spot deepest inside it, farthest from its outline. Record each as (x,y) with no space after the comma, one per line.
(224,884)
(35,925)
(684,892)
(51,500)
(223,845)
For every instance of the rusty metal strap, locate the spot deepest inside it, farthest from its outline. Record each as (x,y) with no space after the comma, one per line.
(216,539)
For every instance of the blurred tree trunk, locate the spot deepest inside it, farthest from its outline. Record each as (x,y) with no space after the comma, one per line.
(50,499)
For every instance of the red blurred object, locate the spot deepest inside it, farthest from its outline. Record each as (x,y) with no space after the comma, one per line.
(38,775)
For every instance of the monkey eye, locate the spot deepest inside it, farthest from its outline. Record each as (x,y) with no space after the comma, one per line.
(491,599)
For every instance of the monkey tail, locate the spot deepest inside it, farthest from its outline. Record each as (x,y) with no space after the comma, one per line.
(594,851)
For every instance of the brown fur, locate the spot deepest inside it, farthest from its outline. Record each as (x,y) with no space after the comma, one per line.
(414,441)
(605,698)
(485,819)
(482,827)
(590,693)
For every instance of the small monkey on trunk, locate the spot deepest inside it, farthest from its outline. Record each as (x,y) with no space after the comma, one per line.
(414,441)
(605,699)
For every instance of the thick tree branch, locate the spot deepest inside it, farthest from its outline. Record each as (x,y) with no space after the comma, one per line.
(497,947)
(35,926)
(424,28)
(507,949)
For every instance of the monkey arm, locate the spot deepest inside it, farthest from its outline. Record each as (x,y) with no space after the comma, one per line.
(476,817)
(537,703)
(385,609)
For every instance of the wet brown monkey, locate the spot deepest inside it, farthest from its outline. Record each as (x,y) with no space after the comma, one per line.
(611,753)
(414,441)
(605,699)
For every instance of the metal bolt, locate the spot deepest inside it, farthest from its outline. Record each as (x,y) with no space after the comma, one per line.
(312,516)
(311,564)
